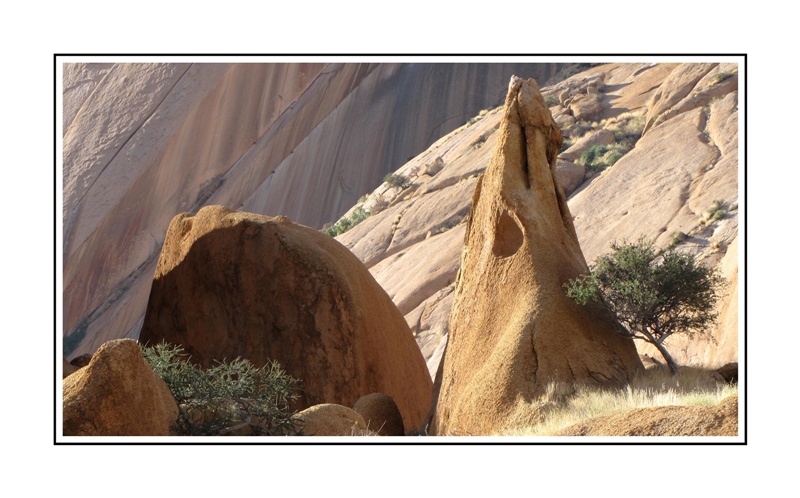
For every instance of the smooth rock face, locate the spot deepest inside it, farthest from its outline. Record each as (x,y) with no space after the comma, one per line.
(381,414)
(233,284)
(145,141)
(512,328)
(118,394)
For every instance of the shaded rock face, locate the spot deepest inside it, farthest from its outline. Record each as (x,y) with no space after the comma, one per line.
(118,394)
(381,414)
(145,141)
(512,328)
(233,284)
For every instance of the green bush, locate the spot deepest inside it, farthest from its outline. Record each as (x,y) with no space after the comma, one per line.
(231,393)
(397,180)
(599,157)
(551,101)
(345,223)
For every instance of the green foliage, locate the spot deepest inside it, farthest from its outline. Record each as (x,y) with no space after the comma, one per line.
(720,77)
(551,100)
(599,157)
(591,156)
(229,394)
(716,212)
(397,180)
(652,294)
(345,223)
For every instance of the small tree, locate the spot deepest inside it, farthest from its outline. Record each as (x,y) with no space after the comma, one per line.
(653,294)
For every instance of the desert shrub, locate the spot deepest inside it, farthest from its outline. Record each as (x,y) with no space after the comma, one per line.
(715,212)
(226,395)
(345,223)
(551,101)
(720,77)
(599,157)
(397,180)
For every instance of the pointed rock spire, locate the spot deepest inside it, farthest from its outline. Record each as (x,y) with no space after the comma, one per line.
(513,330)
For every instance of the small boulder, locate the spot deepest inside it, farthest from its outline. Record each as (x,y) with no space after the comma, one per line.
(329,419)
(569,175)
(729,372)
(600,137)
(118,394)
(381,414)
(82,360)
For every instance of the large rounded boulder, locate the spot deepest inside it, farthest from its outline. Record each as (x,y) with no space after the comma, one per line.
(233,284)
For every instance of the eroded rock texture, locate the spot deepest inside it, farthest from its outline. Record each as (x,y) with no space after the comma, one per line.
(512,328)
(117,394)
(234,284)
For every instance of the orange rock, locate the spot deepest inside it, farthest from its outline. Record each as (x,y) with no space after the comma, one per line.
(513,330)
(117,394)
(234,284)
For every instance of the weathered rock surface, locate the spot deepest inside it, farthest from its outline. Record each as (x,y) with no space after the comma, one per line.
(512,328)
(720,420)
(629,200)
(381,414)
(234,284)
(145,141)
(329,419)
(69,369)
(118,394)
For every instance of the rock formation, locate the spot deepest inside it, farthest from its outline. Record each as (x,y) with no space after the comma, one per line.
(663,186)
(330,419)
(142,142)
(117,394)
(381,414)
(234,284)
(512,328)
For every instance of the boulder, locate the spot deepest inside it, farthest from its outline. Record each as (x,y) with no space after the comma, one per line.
(81,361)
(381,414)
(729,372)
(233,284)
(569,175)
(330,419)
(599,137)
(118,394)
(513,330)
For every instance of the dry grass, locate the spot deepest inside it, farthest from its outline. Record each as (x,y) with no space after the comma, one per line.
(564,406)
